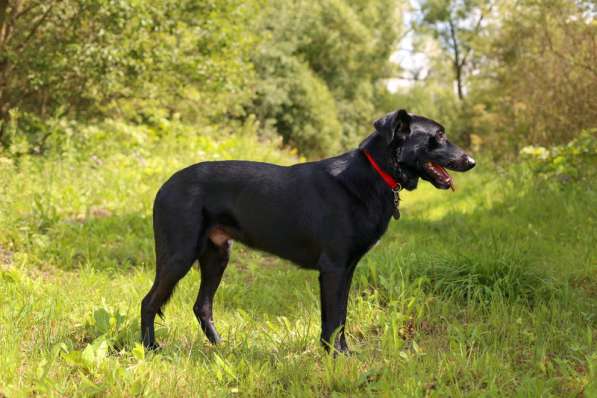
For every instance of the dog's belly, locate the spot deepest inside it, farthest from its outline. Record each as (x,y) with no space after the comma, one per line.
(291,247)
(301,257)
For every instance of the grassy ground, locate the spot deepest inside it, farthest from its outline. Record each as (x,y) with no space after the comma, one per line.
(489,291)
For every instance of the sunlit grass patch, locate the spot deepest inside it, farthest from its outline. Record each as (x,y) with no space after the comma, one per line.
(486,291)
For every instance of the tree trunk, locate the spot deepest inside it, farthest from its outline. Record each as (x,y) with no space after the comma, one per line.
(458,69)
(458,64)
(5,30)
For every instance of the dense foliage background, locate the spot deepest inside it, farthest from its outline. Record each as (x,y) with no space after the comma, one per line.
(502,74)
(308,71)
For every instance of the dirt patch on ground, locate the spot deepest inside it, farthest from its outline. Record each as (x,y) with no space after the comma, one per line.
(586,284)
(93,213)
(5,258)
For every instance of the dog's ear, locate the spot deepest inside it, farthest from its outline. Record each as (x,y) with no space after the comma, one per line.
(404,118)
(393,123)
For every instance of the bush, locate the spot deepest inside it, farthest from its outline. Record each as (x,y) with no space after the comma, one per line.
(299,106)
(317,65)
(573,161)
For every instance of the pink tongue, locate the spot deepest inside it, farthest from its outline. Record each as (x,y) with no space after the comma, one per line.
(444,174)
(441,170)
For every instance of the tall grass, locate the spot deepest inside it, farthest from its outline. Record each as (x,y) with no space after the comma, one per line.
(489,291)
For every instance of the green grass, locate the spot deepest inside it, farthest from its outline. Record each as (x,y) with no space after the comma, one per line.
(489,291)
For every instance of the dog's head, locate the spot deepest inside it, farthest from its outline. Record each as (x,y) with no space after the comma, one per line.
(415,147)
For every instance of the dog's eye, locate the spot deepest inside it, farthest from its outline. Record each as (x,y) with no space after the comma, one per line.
(433,142)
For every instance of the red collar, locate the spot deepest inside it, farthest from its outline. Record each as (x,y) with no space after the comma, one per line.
(388,179)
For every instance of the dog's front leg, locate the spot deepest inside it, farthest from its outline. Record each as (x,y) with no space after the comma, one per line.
(334,285)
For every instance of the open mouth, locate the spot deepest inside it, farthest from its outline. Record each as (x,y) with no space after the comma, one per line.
(439,176)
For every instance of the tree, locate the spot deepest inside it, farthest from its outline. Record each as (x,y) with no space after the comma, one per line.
(88,58)
(322,62)
(310,71)
(543,71)
(457,24)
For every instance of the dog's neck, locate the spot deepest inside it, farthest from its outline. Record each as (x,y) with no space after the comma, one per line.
(355,172)
(388,179)
(381,154)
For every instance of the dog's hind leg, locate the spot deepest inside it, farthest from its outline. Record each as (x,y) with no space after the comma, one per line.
(147,319)
(174,270)
(212,261)
(176,250)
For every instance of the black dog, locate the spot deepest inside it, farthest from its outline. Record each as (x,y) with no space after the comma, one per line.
(321,215)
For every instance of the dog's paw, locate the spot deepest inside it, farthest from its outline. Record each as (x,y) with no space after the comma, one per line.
(152,347)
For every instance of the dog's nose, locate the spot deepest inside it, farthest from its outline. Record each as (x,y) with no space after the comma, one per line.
(470,162)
